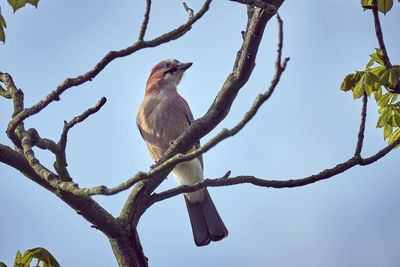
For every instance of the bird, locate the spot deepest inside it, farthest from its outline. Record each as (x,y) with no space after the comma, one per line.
(162,117)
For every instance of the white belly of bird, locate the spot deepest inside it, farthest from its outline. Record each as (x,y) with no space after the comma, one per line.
(189,173)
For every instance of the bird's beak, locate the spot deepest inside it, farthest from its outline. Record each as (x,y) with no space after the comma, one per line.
(184,66)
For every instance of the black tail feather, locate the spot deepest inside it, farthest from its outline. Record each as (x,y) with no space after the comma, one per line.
(207,225)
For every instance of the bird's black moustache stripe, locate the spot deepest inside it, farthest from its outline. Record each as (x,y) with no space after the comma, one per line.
(171,70)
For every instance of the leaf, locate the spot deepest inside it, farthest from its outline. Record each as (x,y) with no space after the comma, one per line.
(2,20)
(384,100)
(382,109)
(377,56)
(385,5)
(2,34)
(387,131)
(378,94)
(358,90)
(384,76)
(348,83)
(33,2)
(377,71)
(396,118)
(394,137)
(370,63)
(366,3)
(383,119)
(40,254)
(3,25)
(17,261)
(393,78)
(17,4)
(371,78)
(394,97)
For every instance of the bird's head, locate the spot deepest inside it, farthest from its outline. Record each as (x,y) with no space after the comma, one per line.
(169,70)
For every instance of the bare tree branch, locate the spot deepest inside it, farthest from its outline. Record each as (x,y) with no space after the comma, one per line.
(70,82)
(18,101)
(381,153)
(379,35)
(362,125)
(5,93)
(225,181)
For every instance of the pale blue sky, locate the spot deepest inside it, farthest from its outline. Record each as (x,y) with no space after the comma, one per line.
(307,125)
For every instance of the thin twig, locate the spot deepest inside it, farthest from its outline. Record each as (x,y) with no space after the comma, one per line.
(145,21)
(60,165)
(80,118)
(188,9)
(360,138)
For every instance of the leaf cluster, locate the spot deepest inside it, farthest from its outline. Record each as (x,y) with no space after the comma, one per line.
(41,254)
(383,5)
(375,80)
(15,4)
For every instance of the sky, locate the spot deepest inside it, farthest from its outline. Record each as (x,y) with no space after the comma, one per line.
(307,125)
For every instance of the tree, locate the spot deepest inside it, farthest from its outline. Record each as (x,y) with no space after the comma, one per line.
(196,133)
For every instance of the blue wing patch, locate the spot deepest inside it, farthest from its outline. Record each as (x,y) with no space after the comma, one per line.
(190,118)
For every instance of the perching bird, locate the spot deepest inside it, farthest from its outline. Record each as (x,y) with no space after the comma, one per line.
(162,117)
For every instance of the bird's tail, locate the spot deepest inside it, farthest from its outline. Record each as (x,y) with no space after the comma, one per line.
(207,225)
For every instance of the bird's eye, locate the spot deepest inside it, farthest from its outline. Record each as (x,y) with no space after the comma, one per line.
(168,65)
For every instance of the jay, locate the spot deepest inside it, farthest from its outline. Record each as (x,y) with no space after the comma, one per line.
(162,117)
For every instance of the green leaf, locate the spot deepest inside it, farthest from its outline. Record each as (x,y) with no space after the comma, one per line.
(377,71)
(394,137)
(366,3)
(2,20)
(359,89)
(17,4)
(40,254)
(384,76)
(396,118)
(3,25)
(2,34)
(382,109)
(33,2)
(371,78)
(383,119)
(384,100)
(378,94)
(17,261)
(377,58)
(385,5)
(387,131)
(370,63)
(393,78)
(348,83)
(394,97)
